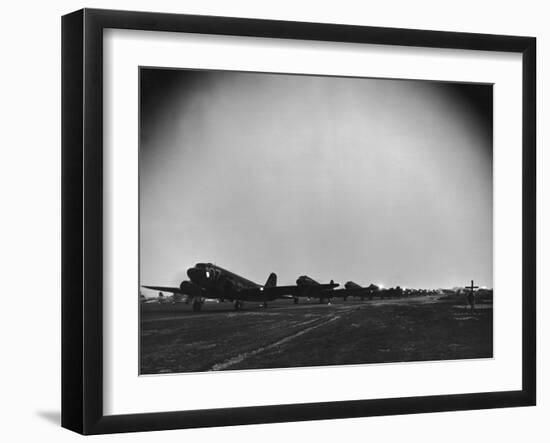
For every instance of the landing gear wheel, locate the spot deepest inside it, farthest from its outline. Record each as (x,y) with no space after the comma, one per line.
(238,305)
(197,305)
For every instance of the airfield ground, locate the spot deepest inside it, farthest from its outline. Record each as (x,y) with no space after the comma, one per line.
(174,339)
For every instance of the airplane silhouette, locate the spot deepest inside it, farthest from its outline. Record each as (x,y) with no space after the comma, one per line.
(309,288)
(208,281)
(355,290)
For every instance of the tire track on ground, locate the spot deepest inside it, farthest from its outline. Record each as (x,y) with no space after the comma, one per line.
(226,364)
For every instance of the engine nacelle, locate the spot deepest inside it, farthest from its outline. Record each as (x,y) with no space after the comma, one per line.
(189,288)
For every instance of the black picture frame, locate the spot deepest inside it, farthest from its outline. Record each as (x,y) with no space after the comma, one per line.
(82,218)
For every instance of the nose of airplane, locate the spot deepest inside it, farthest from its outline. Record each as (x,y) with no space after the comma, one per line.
(195,274)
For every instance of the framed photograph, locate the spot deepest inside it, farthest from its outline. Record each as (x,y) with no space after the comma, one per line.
(269,221)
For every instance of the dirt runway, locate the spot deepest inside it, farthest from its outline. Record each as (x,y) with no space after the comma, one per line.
(173,339)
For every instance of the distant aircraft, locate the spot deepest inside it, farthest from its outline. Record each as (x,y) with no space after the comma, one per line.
(355,290)
(143,299)
(307,287)
(161,299)
(208,281)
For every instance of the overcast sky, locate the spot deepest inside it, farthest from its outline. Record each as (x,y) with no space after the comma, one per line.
(383,181)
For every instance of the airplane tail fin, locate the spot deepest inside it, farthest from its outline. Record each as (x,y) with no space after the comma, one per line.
(271,280)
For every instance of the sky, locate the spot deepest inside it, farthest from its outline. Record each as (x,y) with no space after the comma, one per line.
(371,180)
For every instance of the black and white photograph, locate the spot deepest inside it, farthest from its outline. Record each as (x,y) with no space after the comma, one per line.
(291,221)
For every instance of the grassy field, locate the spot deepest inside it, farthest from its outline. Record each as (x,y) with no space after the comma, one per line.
(311,334)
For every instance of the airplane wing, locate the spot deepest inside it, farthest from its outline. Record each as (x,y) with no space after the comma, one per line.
(324,291)
(343,293)
(186,288)
(351,292)
(323,294)
(265,294)
(175,290)
(283,291)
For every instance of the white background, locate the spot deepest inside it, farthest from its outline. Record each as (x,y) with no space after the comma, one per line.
(30,223)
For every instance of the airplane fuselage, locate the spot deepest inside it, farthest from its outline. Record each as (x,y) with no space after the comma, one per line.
(209,281)
(308,287)
(220,283)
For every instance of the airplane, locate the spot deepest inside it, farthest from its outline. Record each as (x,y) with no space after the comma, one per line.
(147,300)
(307,287)
(356,290)
(208,281)
(161,299)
